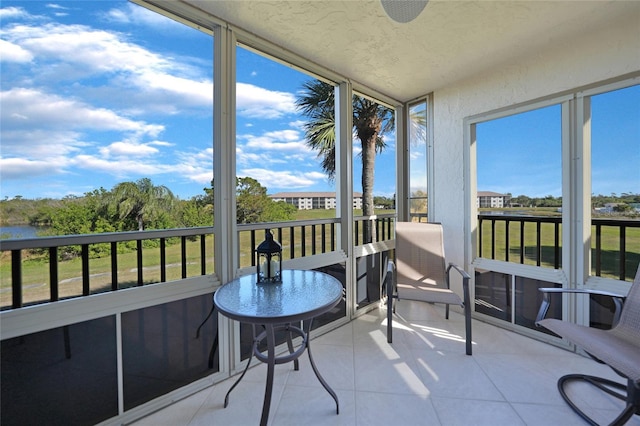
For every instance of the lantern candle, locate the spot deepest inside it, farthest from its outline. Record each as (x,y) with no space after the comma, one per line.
(275,268)
(268,260)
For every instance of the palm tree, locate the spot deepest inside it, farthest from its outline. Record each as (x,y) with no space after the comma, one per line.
(140,200)
(370,122)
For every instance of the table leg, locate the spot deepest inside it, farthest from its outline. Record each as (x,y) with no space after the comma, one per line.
(296,366)
(253,349)
(271,364)
(315,370)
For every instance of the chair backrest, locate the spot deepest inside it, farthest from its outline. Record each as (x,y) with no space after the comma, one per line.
(629,325)
(420,254)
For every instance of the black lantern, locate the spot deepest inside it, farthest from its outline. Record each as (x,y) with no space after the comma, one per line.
(269,260)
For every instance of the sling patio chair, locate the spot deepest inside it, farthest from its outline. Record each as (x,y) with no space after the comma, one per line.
(419,273)
(618,347)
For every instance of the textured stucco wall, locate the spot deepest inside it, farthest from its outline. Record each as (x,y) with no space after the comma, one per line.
(606,53)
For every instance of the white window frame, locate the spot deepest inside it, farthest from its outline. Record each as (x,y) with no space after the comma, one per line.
(576,196)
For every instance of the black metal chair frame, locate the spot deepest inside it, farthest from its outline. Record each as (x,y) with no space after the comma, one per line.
(630,393)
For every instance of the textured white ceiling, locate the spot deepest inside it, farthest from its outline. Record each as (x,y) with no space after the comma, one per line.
(447,42)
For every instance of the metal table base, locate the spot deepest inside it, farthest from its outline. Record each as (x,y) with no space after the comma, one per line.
(271,360)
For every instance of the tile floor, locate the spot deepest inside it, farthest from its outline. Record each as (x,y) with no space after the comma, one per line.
(423,378)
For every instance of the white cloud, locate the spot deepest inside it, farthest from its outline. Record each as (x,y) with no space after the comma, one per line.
(16,168)
(56,6)
(12,12)
(39,128)
(282,178)
(298,124)
(134,14)
(195,167)
(40,144)
(193,92)
(258,102)
(32,109)
(80,52)
(128,149)
(97,50)
(160,143)
(390,140)
(246,158)
(415,155)
(287,140)
(119,167)
(14,53)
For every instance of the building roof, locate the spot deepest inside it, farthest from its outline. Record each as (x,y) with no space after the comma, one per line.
(490,194)
(309,195)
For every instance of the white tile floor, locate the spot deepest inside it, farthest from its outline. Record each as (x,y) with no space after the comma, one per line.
(423,378)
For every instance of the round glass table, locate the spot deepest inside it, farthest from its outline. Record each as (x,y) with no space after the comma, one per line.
(302,295)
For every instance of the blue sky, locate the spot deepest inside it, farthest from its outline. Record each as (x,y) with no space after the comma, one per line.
(522,154)
(99,92)
(96,93)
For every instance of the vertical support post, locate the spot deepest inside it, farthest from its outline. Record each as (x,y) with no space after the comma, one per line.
(183,256)
(16,279)
(226,248)
(623,252)
(203,254)
(344,184)
(313,239)
(85,270)
(506,239)
(224,158)
(163,260)
(139,261)
(402,164)
(292,242)
(522,242)
(114,266)
(53,273)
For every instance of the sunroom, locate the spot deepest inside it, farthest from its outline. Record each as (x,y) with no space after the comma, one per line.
(467,86)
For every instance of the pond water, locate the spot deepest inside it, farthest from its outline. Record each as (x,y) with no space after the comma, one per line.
(18,232)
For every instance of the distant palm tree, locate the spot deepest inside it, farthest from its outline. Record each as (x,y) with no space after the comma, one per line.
(140,200)
(370,122)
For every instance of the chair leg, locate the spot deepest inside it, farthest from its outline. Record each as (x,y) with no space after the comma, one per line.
(467,330)
(389,316)
(390,307)
(632,397)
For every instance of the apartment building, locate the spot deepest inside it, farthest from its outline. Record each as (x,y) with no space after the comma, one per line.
(314,200)
(492,200)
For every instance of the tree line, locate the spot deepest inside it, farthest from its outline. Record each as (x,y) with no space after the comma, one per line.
(139,205)
(623,200)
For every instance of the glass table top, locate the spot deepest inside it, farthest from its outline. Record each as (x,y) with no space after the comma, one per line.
(301,295)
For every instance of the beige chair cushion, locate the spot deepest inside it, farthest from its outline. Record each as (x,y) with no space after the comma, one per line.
(619,347)
(420,264)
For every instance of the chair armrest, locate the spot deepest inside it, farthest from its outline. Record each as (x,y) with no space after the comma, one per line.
(465,283)
(618,300)
(462,272)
